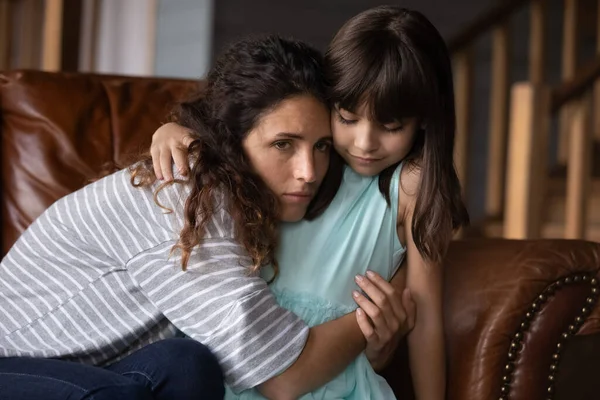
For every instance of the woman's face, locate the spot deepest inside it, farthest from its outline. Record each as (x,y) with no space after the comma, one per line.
(289,149)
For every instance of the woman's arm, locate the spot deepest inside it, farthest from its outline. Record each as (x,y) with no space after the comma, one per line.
(330,348)
(257,342)
(424,279)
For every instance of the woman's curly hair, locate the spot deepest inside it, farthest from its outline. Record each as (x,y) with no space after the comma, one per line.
(251,78)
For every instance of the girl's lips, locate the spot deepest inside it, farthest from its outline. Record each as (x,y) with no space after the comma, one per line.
(364,160)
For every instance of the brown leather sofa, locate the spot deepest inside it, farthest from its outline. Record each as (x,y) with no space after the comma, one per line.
(521,316)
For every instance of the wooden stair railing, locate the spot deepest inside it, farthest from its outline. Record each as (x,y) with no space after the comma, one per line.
(45,34)
(532,106)
(579,93)
(497,21)
(5,33)
(519,160)
(462,48)
(528,139)
(596,117)
(52,35)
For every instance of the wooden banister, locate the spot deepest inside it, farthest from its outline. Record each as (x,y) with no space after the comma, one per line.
(579,168)
(596,99)
(5,33)
(532,105)
(30,28)
(569,64)
(576,94)
(52,36)
(526,167)
(462,46)
(537,42)
(463,78)
(498,119)
(494,16)
(574,88)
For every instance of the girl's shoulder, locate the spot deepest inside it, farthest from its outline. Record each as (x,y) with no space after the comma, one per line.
(408,188)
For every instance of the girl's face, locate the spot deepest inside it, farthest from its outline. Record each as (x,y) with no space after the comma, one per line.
(368,146)
(289,149)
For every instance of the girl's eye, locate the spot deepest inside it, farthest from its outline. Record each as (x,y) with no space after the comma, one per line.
(282,145)
(344,120)
(397,128)
(323,146)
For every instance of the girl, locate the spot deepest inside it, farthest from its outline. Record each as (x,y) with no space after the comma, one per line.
(393,124)
(95,292)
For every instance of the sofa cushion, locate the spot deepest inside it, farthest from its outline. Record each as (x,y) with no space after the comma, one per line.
(61,130)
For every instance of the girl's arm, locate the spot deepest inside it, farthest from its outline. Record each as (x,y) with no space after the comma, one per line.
(424,279)
(170,144)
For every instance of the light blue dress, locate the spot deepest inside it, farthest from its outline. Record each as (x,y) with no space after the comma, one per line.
(318,261)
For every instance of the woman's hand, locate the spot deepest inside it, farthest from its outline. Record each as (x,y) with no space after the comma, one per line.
(170,143)
(384,319)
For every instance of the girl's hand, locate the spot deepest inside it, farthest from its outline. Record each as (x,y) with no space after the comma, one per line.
(384,319)
(170,143)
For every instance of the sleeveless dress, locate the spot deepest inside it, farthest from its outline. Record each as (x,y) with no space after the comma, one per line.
(318,261)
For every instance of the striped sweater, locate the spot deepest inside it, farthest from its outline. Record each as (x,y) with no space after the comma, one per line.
(93,279)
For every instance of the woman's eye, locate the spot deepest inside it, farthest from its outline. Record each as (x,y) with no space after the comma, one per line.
(281,145)
(323,146)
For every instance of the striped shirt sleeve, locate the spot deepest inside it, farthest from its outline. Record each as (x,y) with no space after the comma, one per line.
(218,303)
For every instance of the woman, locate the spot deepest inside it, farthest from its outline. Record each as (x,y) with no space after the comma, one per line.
(96,290)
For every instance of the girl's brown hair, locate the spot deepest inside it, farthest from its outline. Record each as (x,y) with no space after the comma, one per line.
(395,61)
(247,81)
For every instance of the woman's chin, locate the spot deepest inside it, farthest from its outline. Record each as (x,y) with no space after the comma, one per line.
(292,214)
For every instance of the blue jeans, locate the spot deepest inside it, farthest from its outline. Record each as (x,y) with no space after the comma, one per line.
(171,369)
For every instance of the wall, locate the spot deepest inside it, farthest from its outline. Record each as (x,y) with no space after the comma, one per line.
(317,20)
(184,38)
(126,37)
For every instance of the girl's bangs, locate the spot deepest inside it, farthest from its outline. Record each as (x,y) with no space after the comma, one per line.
(391,83)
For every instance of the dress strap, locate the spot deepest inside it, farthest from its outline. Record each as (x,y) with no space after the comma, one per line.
(394,191)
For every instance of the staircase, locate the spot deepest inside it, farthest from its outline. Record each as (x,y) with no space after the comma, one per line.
(554,211)
(526,195)
(554,214)
(531,192)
